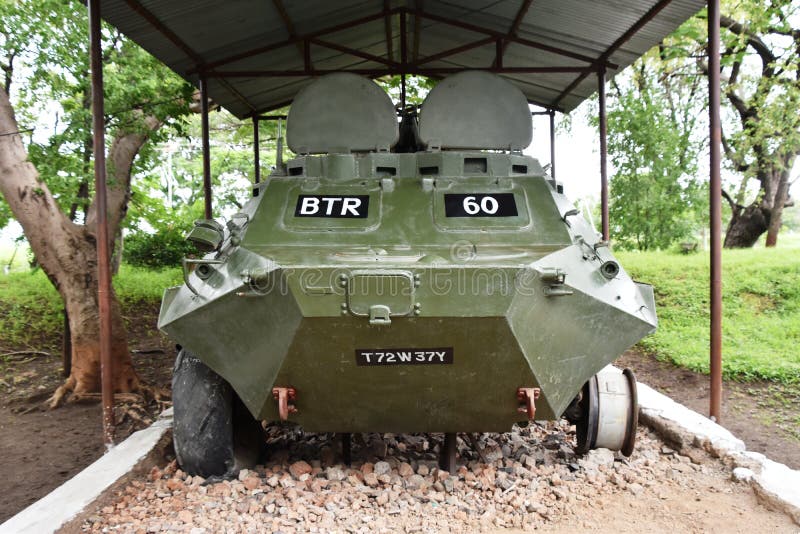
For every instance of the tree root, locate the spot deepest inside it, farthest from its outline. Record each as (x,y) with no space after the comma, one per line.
(61,392)
(144,394)
(15,355)
(155,393)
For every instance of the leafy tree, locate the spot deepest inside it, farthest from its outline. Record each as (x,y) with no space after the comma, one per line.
(761,96)
(168,197)
(655,199)
(417,88)
(47,185)
(761,83)
(160,249)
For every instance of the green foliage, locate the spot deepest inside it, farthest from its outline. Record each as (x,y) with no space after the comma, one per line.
(164,248)
(417,88)
(761,310)
(170,195)
(760,43)
(31,309)
(135,285)
(655,197)
(45,46)
(656,139)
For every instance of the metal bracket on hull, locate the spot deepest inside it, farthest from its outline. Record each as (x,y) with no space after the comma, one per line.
(285,398)
(203,274)
(527,397)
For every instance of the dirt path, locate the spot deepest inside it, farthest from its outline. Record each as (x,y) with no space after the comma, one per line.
(42,448)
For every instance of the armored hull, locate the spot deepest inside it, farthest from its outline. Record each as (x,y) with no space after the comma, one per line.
(409,315)
(451,288)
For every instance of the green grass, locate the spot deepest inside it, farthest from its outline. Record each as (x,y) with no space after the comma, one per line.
(30,308)
(761,310)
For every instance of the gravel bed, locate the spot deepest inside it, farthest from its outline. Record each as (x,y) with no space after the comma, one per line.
(522,479)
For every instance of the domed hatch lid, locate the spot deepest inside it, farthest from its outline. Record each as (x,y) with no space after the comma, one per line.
(341,112)
(475,110)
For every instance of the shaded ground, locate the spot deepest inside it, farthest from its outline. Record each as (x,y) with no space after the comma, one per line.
(41,448)
(762,414)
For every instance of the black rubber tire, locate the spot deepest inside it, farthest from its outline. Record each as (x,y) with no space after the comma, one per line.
(213,433)
(586,425)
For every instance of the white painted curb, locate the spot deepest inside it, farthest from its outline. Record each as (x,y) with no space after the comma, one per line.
(774,483)
(64,503)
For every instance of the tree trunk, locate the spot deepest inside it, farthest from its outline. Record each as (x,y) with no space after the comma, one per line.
(765,214)
(67,251)
(77,284)
(746,226)
(776,216)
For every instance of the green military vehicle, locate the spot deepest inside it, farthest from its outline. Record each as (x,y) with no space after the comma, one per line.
(443,286)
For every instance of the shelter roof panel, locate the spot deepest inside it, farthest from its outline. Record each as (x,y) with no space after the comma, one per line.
(254,52)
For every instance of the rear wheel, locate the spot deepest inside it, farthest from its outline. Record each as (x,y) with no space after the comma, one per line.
(606,412)
(214,433)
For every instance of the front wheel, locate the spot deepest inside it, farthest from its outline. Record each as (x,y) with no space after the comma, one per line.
(213,433)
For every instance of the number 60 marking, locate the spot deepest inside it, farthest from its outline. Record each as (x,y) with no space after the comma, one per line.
(488,205)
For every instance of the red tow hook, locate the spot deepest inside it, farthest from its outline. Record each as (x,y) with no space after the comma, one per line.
(527,397)
(285,398)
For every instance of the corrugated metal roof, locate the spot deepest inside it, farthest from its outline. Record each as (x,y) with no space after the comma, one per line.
(256,55)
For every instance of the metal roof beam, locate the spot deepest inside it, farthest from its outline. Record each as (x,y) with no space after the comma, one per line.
(387,23)
(354,52)
(500,35)
(186,49)
(403,40)
(411,70)
(299,38)
(163,30)
(287,21)
(417,33)
(512,31)
(647,17)
(456,50)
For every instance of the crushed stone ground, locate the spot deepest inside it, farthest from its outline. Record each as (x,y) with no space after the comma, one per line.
(522,480)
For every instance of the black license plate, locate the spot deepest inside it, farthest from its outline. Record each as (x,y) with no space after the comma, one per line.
(436,356)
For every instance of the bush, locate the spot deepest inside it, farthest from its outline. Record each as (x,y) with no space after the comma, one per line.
(31,309)
(165,248)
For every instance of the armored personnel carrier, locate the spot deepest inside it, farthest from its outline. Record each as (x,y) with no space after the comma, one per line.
(448,288)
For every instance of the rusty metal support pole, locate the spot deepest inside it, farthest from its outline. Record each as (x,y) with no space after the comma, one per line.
(256,156)
(601,88)
(206,146)
(103,256)
(715,208)
(447,456)
(347,448)
(552,114)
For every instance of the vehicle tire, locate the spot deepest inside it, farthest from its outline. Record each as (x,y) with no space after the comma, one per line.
(213,433)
